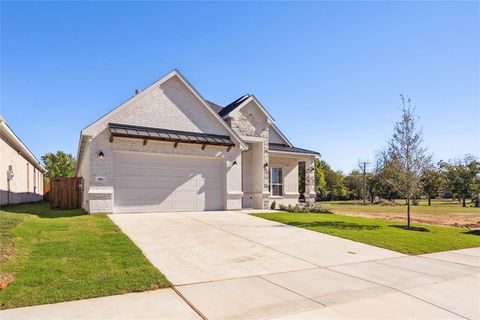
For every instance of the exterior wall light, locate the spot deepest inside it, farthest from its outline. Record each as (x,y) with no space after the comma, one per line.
(101,155)
(234,163)
(265,165)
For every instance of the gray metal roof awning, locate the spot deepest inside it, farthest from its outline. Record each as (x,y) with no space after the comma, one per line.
(148,133)
(285,148)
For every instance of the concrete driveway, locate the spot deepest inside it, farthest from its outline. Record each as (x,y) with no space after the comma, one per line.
(229,265)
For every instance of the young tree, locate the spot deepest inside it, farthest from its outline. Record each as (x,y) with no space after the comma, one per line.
(463,177)
(431,182)
(59,164)
(410,156)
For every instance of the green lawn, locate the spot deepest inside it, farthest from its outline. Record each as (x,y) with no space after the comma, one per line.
(381,233)
(441,212)
(58,255)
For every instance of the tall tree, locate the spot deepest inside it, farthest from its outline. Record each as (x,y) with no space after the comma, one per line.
(384,182)
(406,147)
(320,183)
(431,182)
(463,177)
(59,164)
(354,184)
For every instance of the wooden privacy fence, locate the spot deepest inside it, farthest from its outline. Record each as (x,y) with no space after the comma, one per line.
(46,191)
(66,193)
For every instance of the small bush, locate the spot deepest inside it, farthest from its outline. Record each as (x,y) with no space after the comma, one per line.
(273,205)
(303,209)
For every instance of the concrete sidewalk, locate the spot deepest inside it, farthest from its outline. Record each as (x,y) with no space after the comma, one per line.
(230,265)
(158,304)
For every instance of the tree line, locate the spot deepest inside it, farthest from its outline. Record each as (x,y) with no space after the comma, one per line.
(456,179)
(403,170)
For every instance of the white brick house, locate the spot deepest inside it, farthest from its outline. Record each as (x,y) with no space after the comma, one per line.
(169,149)
(21,173)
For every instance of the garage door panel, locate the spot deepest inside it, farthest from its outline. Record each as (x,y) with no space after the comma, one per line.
(144,183)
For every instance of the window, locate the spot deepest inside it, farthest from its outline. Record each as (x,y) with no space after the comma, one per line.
(28,177)
(276,181)
(301,178)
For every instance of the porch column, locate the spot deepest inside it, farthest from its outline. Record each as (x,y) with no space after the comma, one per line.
(310,180)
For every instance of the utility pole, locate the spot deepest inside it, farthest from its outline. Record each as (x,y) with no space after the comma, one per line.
(364,167)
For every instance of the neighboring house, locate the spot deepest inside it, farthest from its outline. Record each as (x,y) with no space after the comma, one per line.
(21,173)
(169,149)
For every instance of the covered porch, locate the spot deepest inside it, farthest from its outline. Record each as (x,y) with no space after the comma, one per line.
(278,173)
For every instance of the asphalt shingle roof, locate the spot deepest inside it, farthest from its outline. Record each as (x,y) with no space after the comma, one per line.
(285,148)
(233,105)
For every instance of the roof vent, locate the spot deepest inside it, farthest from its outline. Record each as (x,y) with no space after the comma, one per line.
(137,91)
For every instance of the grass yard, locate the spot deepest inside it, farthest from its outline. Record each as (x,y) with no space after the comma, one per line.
(66,255)
(441,212)
(381,233)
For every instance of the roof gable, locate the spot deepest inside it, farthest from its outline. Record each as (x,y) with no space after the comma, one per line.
(169,103)
(241,102)
(276,136)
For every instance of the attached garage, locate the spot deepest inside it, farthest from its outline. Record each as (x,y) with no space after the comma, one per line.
(145,182)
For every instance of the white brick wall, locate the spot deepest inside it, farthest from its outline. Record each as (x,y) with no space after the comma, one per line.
(103,168)
(170,105)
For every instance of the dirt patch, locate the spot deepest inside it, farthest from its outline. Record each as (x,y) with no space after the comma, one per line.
(458,220)
(6,251)
(386,203)
(468,225)
(6,279)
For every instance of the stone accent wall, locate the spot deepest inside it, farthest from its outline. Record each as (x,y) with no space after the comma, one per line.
(310,180)
(250,121)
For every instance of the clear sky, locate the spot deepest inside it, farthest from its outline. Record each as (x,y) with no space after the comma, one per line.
(329,72)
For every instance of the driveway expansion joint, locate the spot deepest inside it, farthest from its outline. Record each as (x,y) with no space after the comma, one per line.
(190,304)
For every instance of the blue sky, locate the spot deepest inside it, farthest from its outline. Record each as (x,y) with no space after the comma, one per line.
(329,72)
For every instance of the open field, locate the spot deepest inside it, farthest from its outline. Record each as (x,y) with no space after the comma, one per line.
(66,255)
(381,233)
(441,212)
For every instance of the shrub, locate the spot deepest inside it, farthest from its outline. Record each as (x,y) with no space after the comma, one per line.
(303,209)
(273,205)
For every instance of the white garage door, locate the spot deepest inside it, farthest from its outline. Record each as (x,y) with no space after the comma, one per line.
(153,183)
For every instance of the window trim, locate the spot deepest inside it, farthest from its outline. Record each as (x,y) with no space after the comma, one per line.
(270,183)
(34,180)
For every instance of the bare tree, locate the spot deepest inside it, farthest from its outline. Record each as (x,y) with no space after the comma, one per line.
(409,154)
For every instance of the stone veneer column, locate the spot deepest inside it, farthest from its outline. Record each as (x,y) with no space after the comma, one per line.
(266,170)
(310,193)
